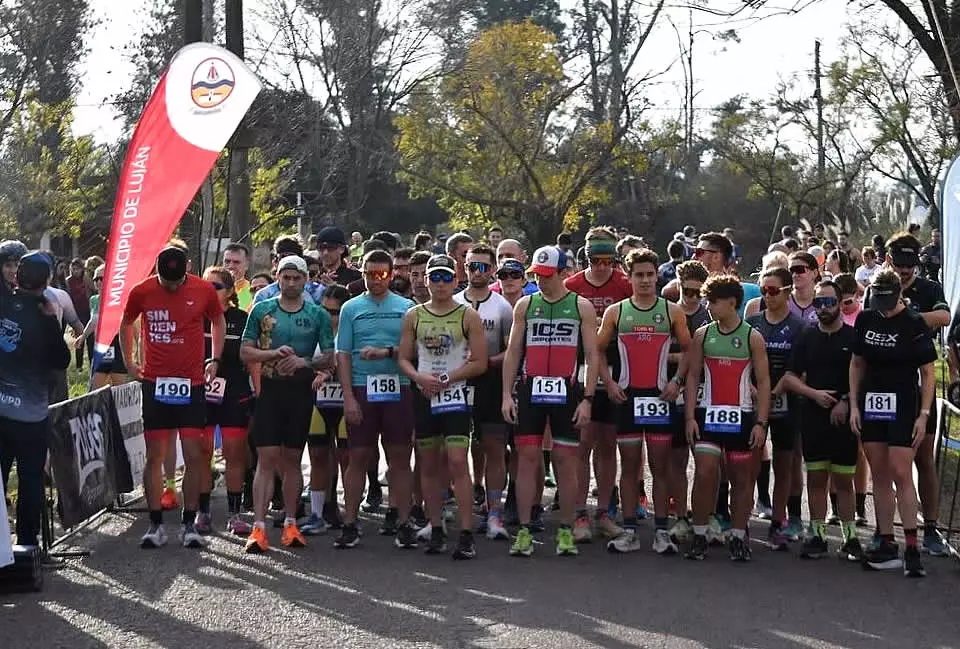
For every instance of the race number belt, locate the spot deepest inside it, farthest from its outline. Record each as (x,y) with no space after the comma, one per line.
(548,390)
(216,389)
(330,395)
(453,398)
(681,398)
(172,391)
(383,387)
(880,406)
(722,419)
(650,411)
(109,355)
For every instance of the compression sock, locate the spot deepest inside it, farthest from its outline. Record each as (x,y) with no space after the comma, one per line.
(630,523)
(794,507)
(189,516)
(316,501)
(156,516)
(373,479)
(763,484)
(819,528)
(929,526)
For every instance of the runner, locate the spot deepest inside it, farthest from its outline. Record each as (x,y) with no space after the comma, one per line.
(332,246)
(725,422)
(380,402)
(418,276)
(228,407)
(890,412)
(282,334)
(602,284)
(111,369)
(779,328)
(490,430)
(173,306)
(511,249)
(642,326)
(287,245)
(457,247)
(550,331)
(236,259)
(806,273)
(446,339)
(819,370)
(512,281)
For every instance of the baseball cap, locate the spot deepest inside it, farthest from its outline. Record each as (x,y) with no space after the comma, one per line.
(441,262)
(548,260)
(904,255)
(293,262)
(818,253)
(34,270)
(512,265)
(172,264)
(331,235)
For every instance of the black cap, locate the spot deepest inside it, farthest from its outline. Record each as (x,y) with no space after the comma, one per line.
(172,264)
(331,235)
(904,256)
(33,271)
(885,284)
(441,262)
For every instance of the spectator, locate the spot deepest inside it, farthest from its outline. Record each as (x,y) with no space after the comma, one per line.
(312,242)
(439,247)
(333,253)
(92,264)
(564,241)
(356,248)
(819,231)
(422,242)
(236,259)
(495,236)
(843,242)
(668,270)
(457,247)
(60,275)
(930,257)
(80,289)
(728,233)
(866,272)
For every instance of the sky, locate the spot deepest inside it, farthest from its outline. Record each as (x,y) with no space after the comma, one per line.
(770,50)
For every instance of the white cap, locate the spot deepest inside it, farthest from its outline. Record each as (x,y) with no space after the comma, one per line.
(293,262)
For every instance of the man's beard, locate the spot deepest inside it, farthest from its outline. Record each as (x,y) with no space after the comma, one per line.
(828,317)
(480,282)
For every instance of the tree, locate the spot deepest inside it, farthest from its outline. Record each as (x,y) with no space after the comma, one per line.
(494,140)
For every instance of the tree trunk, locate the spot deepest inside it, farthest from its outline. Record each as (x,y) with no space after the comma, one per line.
(238,211)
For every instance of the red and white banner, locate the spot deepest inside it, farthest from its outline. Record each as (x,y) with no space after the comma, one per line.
(195,108)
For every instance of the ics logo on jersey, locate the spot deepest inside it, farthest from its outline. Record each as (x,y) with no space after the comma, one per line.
(736,342)
(551,329)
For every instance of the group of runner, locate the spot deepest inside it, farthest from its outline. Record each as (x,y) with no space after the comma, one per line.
(548,377)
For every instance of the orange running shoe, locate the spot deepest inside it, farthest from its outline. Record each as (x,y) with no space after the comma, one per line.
(257,541)
(169,500)
(291,537)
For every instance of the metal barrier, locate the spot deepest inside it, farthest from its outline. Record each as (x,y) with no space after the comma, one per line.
(947,457)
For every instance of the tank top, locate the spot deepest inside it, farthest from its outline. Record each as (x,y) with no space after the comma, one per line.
(727,366)
(552,342)
(441,340)
(808,314)
(643,339)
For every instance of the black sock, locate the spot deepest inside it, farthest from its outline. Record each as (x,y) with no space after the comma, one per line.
(887,538)
(189,516)
(546,461)
(834,507)
(723,499)
(929,526)
(234,501)
(862,505)
(794,506)
(156,517)
(205,502)
(763,483)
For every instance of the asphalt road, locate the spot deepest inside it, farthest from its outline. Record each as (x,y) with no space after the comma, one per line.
(377,596)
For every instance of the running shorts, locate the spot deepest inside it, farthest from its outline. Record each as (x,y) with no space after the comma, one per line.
(282,417)
(827,447)
(453,428)
(532,418)
(164,417)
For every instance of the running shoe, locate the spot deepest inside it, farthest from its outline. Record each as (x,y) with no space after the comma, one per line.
(862,521)
(522,543)
(374,499)
(536,519)
(715,534)
(581,529)
(681,532)
(885,557)
(237,526)
(739,550)
(626,542)
(390,521)
(912,566)
(204,523)
(424,534)
(834,519)
(349,537)
(466,547)
(313,526)
(418,518)
(331,515)
(698,551)
(566,545)
(793,530)
(406,538)
(479,495)
(169,500)
(814,547)
(643,509)
(934,545)
(437,543)
(875,542)
(605,527)
(851,550)
(155,537)
(190,537)
(257,541)
(777,540)
(495,528)
(763,511)
(292,537)
(662,543)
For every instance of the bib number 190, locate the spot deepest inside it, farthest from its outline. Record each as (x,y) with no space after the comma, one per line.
(172,391)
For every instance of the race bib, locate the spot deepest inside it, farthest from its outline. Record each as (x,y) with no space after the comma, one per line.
(650,410)
(470,392)
(216,389)
(779,405)
(681,398)
(383,387)
(450,399)
(330,395)
(172,391)
(722,419)
(880,406)
(548,390)
(109,355)
(582,378)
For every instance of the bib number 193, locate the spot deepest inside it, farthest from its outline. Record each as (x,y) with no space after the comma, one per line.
(650,411)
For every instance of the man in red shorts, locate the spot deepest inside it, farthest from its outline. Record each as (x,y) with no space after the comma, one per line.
(172,306)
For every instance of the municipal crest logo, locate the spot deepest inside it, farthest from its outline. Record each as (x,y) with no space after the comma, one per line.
(538,311)
(736,342)
(543,257)
(212,83)
(658,318)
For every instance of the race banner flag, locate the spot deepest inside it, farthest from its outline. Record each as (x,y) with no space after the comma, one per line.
(195,108)
(950,234)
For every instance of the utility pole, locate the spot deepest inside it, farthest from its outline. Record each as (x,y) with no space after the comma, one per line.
(238,208)
(821,157)
(190,230)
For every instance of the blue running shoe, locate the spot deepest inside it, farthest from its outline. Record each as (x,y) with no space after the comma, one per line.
(793,530)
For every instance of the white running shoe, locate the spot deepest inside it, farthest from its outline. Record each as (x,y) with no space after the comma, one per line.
(626,542)
(495,528)
(662,543)
(681,532)
(155,537)
(191,538)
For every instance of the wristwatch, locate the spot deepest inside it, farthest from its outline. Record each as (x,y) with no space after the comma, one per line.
(390,351)
(588,397)
(444,378)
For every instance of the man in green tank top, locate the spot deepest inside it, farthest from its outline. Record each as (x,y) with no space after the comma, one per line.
(443,345)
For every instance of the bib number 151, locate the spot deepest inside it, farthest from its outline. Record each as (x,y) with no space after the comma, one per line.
(548,390)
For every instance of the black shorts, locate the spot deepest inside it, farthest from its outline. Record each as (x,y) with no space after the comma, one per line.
(115,365)
(604,411)
(283,413)
(732,441)
(452,427)
(783,433)
(487,401)
(896,431)
(233,412)
(532,418)
(162,416)
(631,432)
(827,447)
(327,427)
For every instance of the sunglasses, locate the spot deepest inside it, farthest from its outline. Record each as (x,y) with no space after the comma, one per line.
(510,274)
(799,270)
(691,293)
(381,275)
(332,312)
(700,252)
(218,286)
(478,266)
(824,302)
(601,261)
(849,301)
(441,277)
(772,291)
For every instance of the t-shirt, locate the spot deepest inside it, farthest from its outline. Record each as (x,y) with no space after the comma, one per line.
(367,322)
(230,367)
(824,358)
(923,294)
(272,327)
(864,274)
(244,296)
(666,273)
(893,348)
(63,305)
(614,290)
(172,326)
(750,291)
(930,261)
(344,275)
(80,294)
(497,317)
(312,292)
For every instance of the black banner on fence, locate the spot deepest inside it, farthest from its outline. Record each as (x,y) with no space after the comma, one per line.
(90,464)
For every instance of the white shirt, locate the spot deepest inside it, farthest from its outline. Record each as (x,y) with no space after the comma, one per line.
(63,306)
(496,315)
(864,274)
